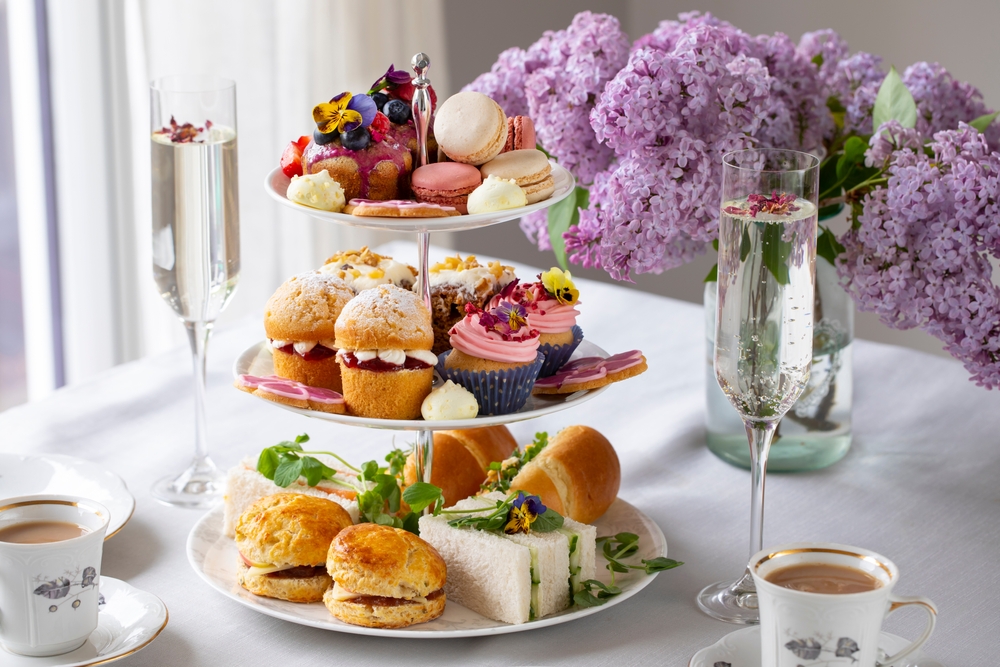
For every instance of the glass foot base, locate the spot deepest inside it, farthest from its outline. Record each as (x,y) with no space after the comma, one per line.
(726,601)
(199,487)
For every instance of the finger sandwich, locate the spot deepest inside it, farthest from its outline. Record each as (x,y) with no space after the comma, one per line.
(511,578)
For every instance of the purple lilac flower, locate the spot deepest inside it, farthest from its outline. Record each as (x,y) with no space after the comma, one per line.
(943,102)
(665,37)
(919,256)
(827,44)
(536,227)
(560,95)
(797,116)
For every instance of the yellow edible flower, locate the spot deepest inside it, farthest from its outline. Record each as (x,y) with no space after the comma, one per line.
(521,519)
(560,285)
(332,116)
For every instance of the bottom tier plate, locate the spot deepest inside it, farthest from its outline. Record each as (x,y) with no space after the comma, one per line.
(213,556)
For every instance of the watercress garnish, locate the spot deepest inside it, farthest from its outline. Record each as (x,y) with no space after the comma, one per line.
(377,487)
(501,473)
(616,548)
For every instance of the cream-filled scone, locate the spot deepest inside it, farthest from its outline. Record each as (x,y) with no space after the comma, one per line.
(299,320)
(384,577)
(495,356)
(283,541)
(456,282)
(364,269)
(384,339)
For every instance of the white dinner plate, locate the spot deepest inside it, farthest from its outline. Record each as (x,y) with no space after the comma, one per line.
(127,621)
(257,360)
(213,556)
(276,185)
(742,649)
(54,473)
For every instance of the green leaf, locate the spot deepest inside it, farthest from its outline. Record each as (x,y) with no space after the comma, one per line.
(660,563)
(586,599)
(984,121)
(396,460)
(858,176)
(817,60)
(299,439)
(288,472)
(776,251)
(894,102)
(547,521)
(411,523)
(312,470)
(420,495)
(713,274)
(853,156)
(563,215)
(827,245)
(268,462)
(627,538)
(368,471)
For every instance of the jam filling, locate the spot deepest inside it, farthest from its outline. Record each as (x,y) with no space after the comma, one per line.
(300,572)
(378,366)
(318,352)
(380,601)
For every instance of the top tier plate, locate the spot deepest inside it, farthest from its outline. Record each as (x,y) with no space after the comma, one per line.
(276,185)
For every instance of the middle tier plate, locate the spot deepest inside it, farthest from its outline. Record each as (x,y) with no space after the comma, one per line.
(257,361)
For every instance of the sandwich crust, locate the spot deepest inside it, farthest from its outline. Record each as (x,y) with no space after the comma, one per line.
(370,559)
(289,529)
(373,612)
(305,307)
(291,588)
(383,318)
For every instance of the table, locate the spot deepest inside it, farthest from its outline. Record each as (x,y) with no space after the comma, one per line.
(919,485)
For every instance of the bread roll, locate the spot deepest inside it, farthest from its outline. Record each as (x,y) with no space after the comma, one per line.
(577,474)
(462,459)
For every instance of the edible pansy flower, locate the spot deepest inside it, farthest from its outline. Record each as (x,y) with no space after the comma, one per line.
(559,284)
(523,512)
(393,77)
(345,112)
(513,316)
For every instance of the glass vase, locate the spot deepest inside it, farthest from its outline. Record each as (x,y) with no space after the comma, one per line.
(816,431)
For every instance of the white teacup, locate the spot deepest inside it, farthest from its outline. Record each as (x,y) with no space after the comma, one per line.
(800,628)
(48,591)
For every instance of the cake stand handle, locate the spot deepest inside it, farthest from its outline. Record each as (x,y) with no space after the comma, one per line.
(423,453)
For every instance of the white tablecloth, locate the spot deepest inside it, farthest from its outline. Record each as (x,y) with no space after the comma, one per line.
(919,485)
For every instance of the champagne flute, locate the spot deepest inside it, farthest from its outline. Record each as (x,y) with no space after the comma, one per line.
(196,239)
(763,338)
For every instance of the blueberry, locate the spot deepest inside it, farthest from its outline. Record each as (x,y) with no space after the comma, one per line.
(398,111)
(379,99)
(323,139)
(355,140)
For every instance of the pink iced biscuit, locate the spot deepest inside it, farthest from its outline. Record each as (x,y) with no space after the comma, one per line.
(294,393)
(592,372)
(399,203)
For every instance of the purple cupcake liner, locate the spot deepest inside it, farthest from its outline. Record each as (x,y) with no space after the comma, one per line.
(497,392)
(557,355)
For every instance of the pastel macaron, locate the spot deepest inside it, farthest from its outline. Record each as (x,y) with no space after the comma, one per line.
(471,128)
(520,133)
(529,168)
(446,183)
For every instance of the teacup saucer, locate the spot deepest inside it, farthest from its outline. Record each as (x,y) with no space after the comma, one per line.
(742,649)
(127,621)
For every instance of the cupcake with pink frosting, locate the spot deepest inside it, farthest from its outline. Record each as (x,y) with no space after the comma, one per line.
(551,305)
(494,355)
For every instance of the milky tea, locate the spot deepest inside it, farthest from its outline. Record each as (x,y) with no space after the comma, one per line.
(823,578)
(41,532)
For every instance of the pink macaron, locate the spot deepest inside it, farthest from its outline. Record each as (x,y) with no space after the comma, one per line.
(446,183)
(520,134)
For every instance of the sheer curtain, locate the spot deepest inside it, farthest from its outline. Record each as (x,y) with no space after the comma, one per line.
(284,56)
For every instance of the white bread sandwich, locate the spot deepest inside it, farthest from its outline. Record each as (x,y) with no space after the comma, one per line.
(245,486)
(512,578)
(384,577)
(283,542)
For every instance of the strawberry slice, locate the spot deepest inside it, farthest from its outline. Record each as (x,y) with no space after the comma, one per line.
(291,158)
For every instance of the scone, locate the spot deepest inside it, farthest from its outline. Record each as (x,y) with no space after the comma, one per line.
(283,542)
(384,340)
(364,269)
(456,282)
(384,577)
(299,321)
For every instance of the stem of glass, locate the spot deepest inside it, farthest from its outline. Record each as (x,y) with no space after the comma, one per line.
(759,433)
(198,334)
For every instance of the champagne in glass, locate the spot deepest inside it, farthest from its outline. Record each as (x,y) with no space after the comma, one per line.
(196,238)
(763,338)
